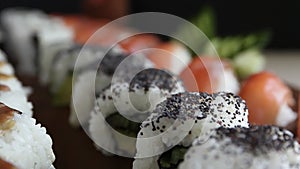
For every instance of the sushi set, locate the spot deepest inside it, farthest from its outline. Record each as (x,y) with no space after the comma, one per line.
(153,110)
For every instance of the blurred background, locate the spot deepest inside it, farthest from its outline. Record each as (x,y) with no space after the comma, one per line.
(281,18)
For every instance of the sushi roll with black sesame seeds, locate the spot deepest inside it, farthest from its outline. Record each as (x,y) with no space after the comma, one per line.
(259,147)
(181,118)
(145,90)
(124,105)
(114,64)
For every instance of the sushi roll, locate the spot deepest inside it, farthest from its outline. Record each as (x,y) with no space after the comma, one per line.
(257,147)
(181,118)
(62,69)
(210,74)
(53,37)
(30,34)
(116,66)
(124,105)
(270,101)
(19,26)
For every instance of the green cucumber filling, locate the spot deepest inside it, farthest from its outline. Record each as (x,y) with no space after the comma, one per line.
(123,125)
(63,96)
(172,158)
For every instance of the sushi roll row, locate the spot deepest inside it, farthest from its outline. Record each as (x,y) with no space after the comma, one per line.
(48,42)
(23,143)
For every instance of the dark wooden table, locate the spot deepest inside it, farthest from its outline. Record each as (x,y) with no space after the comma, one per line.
(73,148)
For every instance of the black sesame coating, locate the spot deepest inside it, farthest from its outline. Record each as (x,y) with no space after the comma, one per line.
(153,77)
(103,95)
(132,65)
(187,105)
(229,111)
(258,139)
(180,106)
(73,52)
(111,61)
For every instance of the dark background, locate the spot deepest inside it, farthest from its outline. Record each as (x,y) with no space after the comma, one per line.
(233,17)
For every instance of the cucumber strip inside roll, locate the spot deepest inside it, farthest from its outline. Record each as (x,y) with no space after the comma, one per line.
(172,158)
(123,125)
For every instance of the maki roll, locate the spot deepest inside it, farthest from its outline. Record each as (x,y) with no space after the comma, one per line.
(257,147)
(31,37)
(62,71)
(49,40)
(115,66)
(181,118)
(120,109)
(19,26)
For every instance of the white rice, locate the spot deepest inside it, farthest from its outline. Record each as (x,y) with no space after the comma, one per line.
(6,68)
(228,82)
(285,115)
(26,145)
